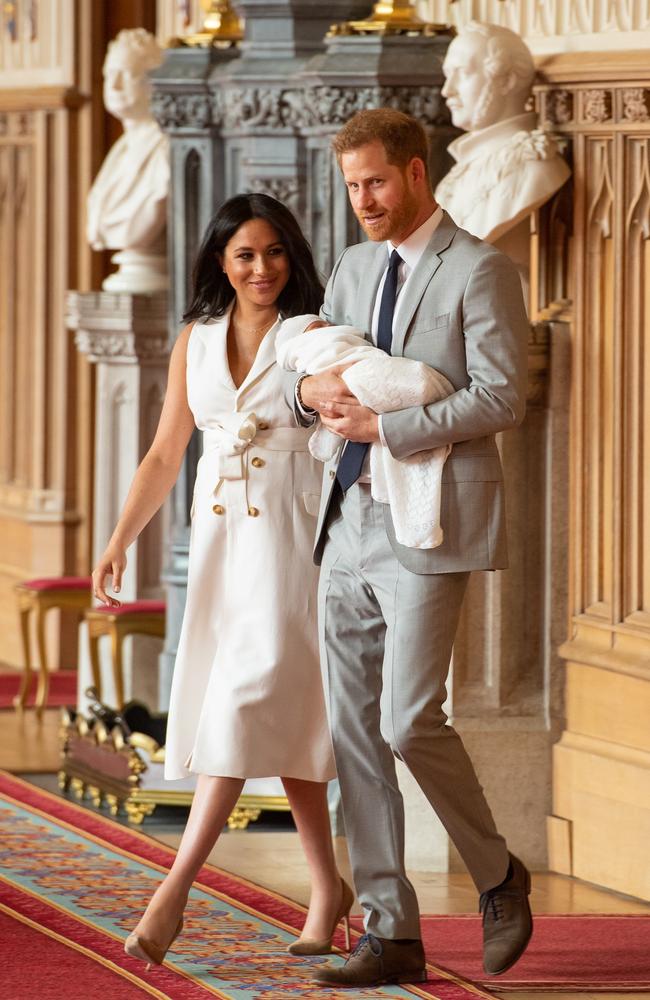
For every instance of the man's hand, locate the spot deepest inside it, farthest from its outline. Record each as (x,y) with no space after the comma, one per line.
(318,390)
(354,423)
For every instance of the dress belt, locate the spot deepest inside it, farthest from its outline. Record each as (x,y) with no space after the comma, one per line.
(229,441)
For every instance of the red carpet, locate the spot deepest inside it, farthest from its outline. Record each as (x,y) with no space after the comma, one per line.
(34,963)
(72,883)
(63,688)
(585,952)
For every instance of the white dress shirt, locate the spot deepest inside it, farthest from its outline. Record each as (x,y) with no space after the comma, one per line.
(410,251)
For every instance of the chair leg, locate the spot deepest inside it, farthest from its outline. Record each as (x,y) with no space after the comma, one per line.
(44,676)
(118,667)
(21,698)
(93,651)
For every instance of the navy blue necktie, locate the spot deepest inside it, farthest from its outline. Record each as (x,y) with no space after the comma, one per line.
(352,459)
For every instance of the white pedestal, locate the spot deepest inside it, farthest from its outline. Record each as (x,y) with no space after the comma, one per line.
(125,336)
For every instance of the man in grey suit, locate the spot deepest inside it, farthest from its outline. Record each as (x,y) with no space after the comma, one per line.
(424,289)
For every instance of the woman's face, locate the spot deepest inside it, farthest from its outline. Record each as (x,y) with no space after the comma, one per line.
(256,263)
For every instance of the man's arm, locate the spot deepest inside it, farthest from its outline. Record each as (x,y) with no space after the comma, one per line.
(495,328)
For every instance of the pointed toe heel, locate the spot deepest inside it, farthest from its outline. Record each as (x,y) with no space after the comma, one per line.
(149,951)
(324,947)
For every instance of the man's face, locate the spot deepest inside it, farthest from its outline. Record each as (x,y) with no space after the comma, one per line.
(126,88)
(468,90)
(382,194)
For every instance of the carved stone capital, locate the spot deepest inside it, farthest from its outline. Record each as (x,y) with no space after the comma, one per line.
(174,111)
(559,107)
(326,105)
(596,105)
(253,107)
(102,345)
(636,104)
(285,189)
(119,328)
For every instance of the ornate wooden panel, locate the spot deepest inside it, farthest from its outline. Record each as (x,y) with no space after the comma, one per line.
(602,762)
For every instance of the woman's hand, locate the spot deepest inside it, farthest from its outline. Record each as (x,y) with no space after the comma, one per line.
(112,563)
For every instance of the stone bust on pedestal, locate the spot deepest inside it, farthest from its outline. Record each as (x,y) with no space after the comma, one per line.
(127,204)
(505,165)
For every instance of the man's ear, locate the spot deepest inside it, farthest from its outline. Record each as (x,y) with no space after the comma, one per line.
(507,83)
(417,169)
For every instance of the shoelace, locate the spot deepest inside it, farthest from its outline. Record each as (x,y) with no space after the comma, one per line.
(494,900)
(368,941)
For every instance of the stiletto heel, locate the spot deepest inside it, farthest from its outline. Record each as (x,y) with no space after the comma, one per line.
(147,950)
(324,947)
(346,927)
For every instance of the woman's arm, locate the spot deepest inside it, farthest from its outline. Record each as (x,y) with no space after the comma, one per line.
(155,476)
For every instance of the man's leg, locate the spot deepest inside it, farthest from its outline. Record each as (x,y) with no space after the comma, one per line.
(352,632)
(421,615)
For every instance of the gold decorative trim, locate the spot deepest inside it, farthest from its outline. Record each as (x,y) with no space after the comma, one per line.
(221,26)
(126,792)
(390,17)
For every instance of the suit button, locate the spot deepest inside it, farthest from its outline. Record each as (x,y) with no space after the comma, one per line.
(262,426)
(332,474)
(253,512)
(218,509)
(258,463)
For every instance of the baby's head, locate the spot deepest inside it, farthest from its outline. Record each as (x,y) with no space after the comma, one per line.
(317,325)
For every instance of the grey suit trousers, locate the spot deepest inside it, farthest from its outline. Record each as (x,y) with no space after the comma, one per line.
(386,637)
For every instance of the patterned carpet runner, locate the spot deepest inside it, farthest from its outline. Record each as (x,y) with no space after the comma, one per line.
(72,885)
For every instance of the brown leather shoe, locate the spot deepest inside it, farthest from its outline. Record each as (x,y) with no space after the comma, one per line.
(507,920)
(376,961)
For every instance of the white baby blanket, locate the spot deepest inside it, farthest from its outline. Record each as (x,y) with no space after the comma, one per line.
(412,486)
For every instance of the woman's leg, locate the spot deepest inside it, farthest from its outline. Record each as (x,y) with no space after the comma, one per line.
(308,801)
(214,800)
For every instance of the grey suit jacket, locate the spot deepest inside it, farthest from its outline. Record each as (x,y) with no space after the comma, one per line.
(464,315)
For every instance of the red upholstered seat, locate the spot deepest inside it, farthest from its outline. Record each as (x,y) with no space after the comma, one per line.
(134,608)
(59,583)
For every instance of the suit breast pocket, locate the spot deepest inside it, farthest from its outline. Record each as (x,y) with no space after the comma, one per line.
(430,324)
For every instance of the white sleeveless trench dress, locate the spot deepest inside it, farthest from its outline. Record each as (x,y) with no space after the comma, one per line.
(247,698)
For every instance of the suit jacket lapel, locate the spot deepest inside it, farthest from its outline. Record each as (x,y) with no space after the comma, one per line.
(368,286)
(418,281)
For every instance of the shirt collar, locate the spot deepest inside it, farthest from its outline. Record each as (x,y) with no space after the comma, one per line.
(414,245)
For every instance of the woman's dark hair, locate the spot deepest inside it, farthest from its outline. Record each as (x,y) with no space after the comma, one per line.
(212,293)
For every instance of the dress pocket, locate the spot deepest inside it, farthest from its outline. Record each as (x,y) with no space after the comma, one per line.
(312,503)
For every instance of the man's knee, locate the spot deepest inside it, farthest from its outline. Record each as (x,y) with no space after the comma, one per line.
(406,735)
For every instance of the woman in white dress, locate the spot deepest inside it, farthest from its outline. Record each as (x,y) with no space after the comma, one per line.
(247,698)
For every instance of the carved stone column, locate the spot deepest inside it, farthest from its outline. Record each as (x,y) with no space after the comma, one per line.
(125,336)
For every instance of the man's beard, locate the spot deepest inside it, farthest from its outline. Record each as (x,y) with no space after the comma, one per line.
(486,106)
(395,222)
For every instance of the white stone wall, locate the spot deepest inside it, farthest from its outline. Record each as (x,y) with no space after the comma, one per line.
(551,26)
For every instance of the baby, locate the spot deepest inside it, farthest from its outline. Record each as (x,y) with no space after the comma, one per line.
(383,383)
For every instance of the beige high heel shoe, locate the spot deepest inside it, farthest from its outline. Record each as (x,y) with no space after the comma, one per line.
(324,947)
(147,950)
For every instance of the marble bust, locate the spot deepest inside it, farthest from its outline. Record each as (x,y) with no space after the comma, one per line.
(506,166)
(127,204)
